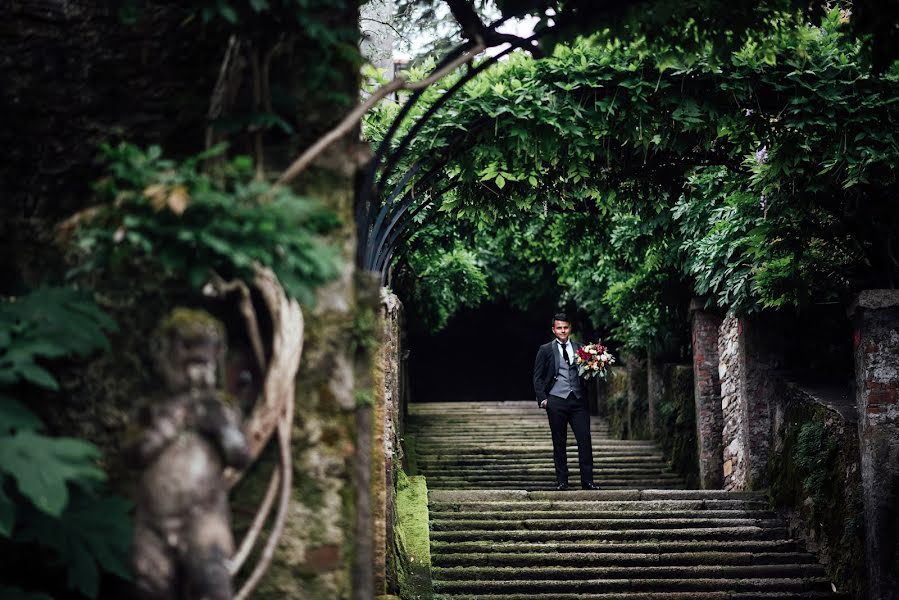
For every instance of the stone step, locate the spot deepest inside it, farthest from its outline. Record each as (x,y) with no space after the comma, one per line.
(568,573)
(560,503)
(599,471)
(616,495)
(660,547)
(481,475)
(705,595)
(438,460)
(747,532)
(527,449)
(579,515)
(715,584)
(550,484)
(620,559)
(566,524)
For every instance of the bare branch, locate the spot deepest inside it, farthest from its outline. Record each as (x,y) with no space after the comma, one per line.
(287,347)
(219,288)
(398,83)
(249,540)
(286,468)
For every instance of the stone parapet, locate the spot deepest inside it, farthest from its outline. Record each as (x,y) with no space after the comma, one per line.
(875,315)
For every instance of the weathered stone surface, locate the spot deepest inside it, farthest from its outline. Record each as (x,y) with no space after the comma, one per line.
(637,410)
(676,432)
(731,374)
(707,395)
(876,322)
(387,449)
(816,481)
(655,389)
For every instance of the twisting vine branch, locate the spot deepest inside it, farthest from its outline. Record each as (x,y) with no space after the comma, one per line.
(344,127)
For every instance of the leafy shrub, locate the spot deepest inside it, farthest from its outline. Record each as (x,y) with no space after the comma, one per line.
(187,223)
(50,487)
(444,283)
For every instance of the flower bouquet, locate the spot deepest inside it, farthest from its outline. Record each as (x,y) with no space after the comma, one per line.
(592,361)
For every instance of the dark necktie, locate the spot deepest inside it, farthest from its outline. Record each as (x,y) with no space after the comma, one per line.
(565,353)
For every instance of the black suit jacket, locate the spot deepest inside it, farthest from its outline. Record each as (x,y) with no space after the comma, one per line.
(546,368)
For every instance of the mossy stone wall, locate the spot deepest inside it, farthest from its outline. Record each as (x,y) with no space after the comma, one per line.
(637,402)
(613,393)
(676,422)
(816,483)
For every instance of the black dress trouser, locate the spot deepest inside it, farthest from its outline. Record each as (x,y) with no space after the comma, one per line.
(561,413)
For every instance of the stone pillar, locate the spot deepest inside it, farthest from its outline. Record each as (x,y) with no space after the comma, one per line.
(749,351)
(655,390)
(387,448)
(730,377)
(875,316)
(707,393)
(763,354)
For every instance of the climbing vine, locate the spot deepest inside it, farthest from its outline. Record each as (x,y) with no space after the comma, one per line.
(757,179)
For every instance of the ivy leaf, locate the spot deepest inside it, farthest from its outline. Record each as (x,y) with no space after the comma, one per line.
(38,376)
(92,533)
(500,181)
(14,593)
(43,466)
(7,512)
(15,417)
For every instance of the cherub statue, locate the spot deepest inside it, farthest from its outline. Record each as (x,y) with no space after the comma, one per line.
(187,436)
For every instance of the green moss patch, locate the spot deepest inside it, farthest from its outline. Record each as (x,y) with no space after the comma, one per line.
(411,539)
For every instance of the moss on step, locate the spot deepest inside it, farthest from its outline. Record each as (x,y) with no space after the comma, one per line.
(411,539)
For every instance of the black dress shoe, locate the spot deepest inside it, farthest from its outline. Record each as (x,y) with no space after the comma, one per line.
(562,487)
(590,486)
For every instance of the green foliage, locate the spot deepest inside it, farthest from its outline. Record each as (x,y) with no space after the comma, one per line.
(444,284)
(43,467)
(14,593)
(49,323)
(760,177)
(50,486)
(815,454)
(186,223)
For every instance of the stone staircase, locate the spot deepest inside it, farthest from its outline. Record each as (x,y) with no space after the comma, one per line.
(499,531)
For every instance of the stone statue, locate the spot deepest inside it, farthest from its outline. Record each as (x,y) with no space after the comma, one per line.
(187,436)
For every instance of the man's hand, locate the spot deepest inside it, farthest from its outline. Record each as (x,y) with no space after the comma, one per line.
(543,404)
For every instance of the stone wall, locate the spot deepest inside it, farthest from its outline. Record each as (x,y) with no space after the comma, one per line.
(876,346)
(637,407)
(707,394)
(612,401)
(676,422)
(655,389)
(816,480)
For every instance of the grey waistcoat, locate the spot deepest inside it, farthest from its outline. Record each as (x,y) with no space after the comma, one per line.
(567,380)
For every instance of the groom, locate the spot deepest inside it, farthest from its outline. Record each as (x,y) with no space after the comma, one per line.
(559,391)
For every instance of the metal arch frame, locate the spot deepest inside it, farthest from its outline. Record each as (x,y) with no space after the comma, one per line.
(376,243)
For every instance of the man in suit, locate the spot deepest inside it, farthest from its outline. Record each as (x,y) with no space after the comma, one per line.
(561,394)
